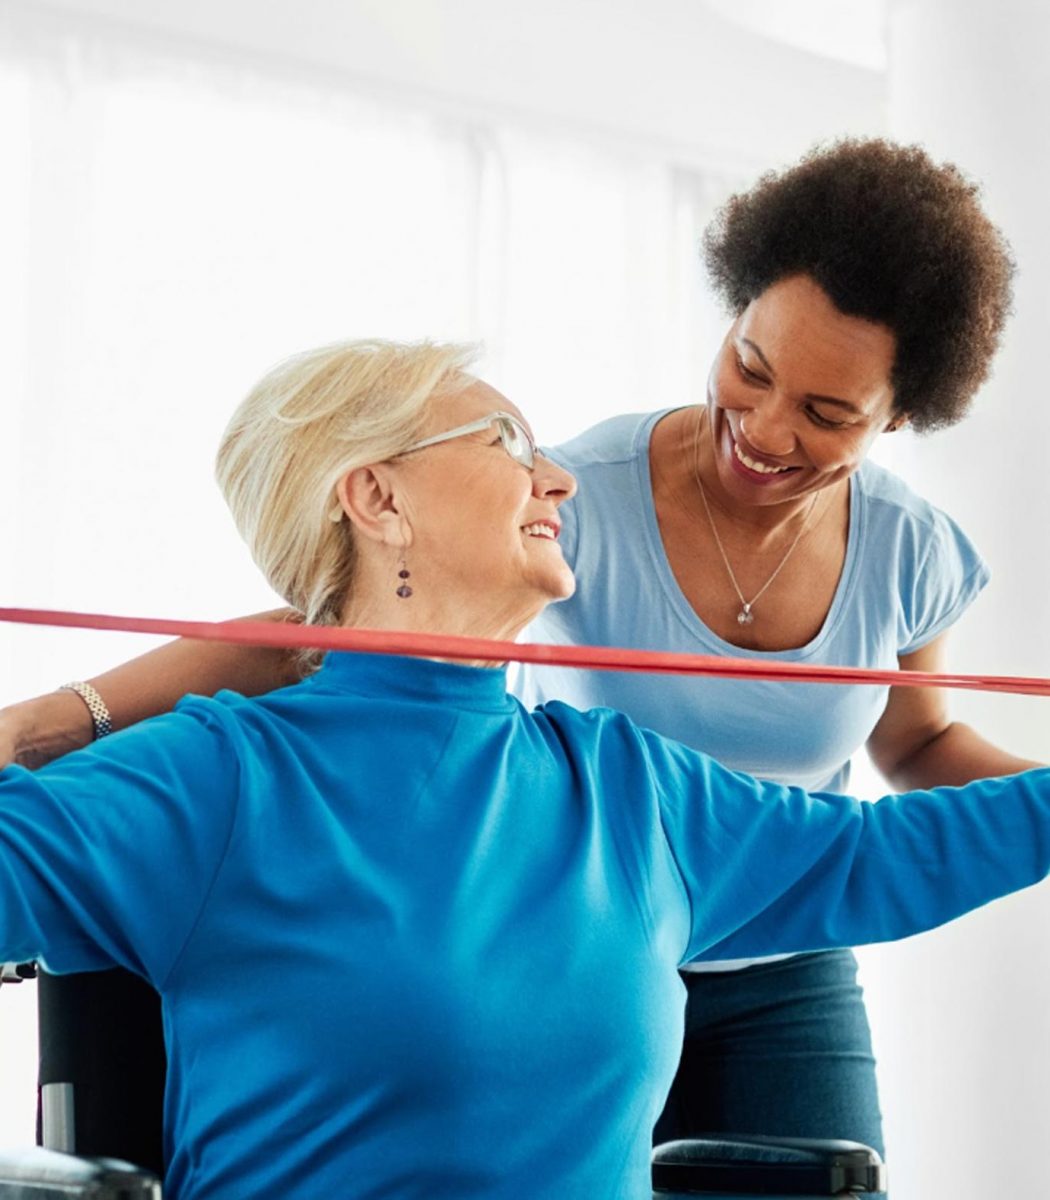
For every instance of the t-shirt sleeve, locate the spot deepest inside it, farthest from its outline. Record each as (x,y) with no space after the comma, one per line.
(947,576)
(107,855)
(770,869)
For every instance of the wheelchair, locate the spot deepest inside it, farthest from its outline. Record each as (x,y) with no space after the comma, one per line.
(101,1043)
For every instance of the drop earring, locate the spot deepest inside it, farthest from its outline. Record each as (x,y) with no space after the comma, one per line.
(403,573)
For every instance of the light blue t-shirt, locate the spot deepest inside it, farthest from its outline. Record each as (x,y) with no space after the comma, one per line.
(908,575)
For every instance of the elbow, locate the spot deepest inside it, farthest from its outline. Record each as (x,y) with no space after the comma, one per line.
(907,767)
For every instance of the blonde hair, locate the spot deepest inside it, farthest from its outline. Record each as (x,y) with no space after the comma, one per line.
(309,421)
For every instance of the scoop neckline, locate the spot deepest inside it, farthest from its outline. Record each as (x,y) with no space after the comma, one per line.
(679,603)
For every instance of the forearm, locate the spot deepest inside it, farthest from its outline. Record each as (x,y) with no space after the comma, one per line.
(154,682)
(955,756)
(36,731)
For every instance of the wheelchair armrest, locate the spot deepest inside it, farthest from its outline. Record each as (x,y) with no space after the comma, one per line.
(38,1174)
(11,972)
(730,1164)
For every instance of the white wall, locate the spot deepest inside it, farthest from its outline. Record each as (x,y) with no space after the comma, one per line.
(667,73)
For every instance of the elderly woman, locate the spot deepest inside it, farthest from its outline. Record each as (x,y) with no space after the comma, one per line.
(450,873)
(868,291)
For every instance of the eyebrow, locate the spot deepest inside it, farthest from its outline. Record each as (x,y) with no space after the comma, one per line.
(810,395)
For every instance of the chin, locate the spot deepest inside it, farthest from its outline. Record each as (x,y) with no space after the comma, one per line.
(562,587)
(551,591)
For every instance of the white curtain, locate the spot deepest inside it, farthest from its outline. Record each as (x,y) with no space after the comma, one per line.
(174,220)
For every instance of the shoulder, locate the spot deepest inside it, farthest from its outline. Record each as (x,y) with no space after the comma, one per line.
(610,462)
(897,515)
(232,726)
(615,441)
(601,735)
(893,498)
(222,716)
(935,567)
(612,740)
(202,737)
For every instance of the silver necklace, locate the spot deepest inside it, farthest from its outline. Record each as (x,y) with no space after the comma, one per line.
(745,616)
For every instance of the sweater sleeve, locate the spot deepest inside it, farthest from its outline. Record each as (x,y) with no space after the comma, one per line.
(771,869)
(107,855)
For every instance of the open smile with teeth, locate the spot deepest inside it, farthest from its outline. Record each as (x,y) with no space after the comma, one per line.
(761,468)
(541,529)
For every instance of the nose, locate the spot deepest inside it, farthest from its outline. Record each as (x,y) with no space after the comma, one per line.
(767,430)
(551,482)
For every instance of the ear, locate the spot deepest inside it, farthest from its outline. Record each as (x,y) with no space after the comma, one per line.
(898,422)
(372,501)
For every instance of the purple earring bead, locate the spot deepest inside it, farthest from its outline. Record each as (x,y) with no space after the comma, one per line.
(404,591)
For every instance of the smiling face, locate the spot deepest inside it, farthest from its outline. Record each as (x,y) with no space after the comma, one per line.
(797,395)
(484,528)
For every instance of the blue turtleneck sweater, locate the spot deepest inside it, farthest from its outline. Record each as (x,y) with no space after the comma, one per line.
(415,941)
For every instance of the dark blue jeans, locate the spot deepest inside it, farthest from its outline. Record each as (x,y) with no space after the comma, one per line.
(779,1048)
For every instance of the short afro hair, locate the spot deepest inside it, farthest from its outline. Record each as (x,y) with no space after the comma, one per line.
(892,237)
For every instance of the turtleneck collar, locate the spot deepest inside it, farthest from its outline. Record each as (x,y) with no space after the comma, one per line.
(419,679)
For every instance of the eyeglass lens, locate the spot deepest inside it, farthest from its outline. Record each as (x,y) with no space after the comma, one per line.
(516,442)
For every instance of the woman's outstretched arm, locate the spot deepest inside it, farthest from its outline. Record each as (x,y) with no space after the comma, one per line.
(770,869)
(36,731)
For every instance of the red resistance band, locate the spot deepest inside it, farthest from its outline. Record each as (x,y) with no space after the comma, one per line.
(290,636)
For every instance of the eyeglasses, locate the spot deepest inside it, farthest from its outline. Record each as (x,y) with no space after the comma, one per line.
(515,438)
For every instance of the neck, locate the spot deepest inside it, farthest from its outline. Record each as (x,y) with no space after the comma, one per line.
(437,614)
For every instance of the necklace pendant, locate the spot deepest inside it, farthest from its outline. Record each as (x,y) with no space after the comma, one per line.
(745,616)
